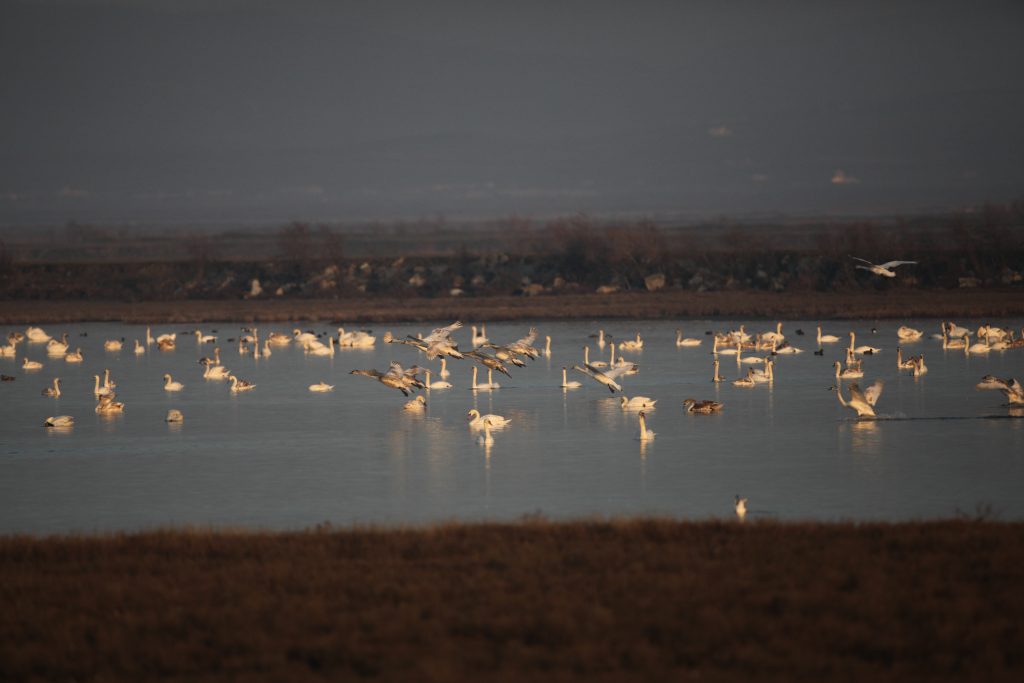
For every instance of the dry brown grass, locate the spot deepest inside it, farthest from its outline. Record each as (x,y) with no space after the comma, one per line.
(645,600)
(634,305)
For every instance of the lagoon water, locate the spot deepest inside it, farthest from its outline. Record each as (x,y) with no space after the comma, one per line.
(282,457)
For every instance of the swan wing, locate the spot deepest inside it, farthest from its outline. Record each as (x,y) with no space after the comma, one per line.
(619,371)
(855,258)
(893,264)
(528,339)
(441,333)
(872,392)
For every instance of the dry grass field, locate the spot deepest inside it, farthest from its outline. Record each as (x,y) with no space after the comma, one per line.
(596,601)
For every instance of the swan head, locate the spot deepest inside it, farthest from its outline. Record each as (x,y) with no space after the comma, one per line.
(689,403)
(473,414)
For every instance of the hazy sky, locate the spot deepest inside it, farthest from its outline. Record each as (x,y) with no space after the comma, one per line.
(263,111)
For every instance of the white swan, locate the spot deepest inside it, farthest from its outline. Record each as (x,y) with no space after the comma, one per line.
(10,350)
(279,339)
(858,402)
(27,364)
(596,363)
(919,367)
(477,421)
(547,346)
(112,345)
(478,387)
(688,341)
(174,415)
(58,348)
(636,403)
(149,337)
(59,421)
(486,439)
(444,374)
(774,335)
(715,377)
(763,376)
(357,339)
(480,339)
(903,364)
(908,334)
(54,391)
(239,385)
(215,372)
(645,433)
(416,405)
(107,382)
(322,350)
(139,348)
(826,338)
(848,373)
(744,382)
(107,405)
(632,344)
(322,387)
(569,385)
(863,349)
(303,337)
(979,347)
(718,350)
(600,339)
(204,338)
(605,378)
(98,390)
(75,356)
(36,335)
(441,384)
(165,344)
(884,269)
(171,385)
(741,507)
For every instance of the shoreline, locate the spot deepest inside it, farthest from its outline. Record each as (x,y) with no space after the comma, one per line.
(968,303)
(650,599)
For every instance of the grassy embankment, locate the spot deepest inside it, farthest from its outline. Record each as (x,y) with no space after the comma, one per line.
(649,600)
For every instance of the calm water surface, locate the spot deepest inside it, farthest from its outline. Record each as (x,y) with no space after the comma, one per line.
(283,457)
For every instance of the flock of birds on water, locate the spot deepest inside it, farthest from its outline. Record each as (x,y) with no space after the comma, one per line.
(756,353)
(439,344)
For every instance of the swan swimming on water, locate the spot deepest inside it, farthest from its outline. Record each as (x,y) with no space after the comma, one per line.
(703,407)
(59,421)
(174,415)
(239,385)
(321,387)
(477,421)
(440,384)
(569,385)
(75,356)
(826,338)
(416,405)
(636,403)
(740,506)
(37,335)
(171,385)
(645,433)
(27,364)
(54,391)
(848,373)
(687,341)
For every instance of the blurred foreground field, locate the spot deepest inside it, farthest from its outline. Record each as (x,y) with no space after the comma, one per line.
(643,599)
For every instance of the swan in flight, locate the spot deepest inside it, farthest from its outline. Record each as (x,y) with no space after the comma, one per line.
(60,421)
(569,385)
(112,345)
(171,385)
(240,385)
(489,362)
(848,373)
(826,338)
(54,391)
(321,387)
(606,378)
(645,433)
(703,407)
(687,341)
(636,403)
(174,415)
(908,334)
(477,421)
(632,344)
(416,405)
(741,507)
(863,402)
(75,356)
(884,269)
(441,384)
(396,377)
(37,335)
(27,364)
